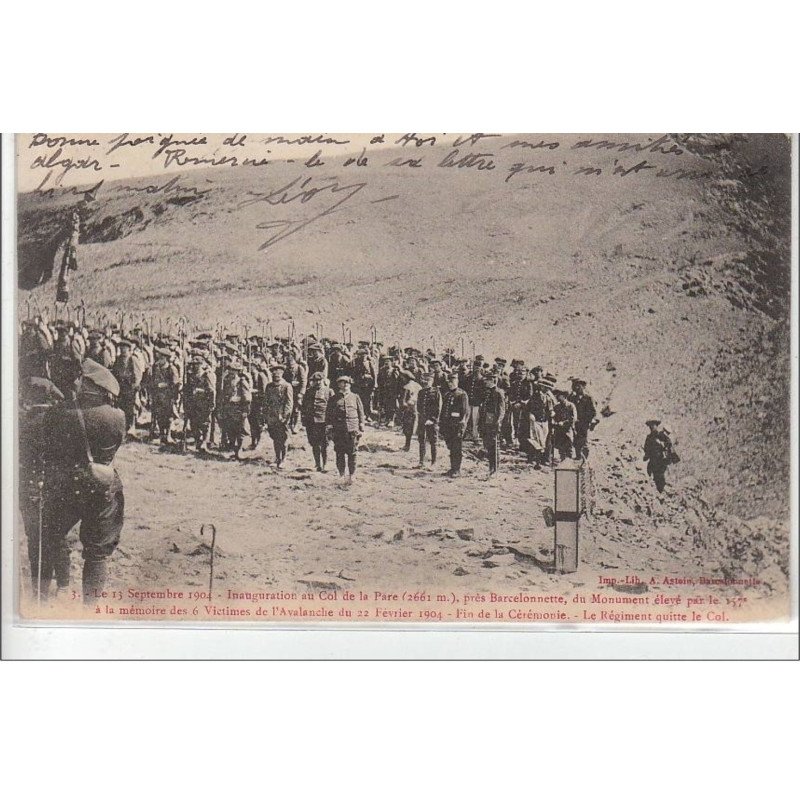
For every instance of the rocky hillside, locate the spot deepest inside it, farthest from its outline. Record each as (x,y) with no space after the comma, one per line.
(666,287)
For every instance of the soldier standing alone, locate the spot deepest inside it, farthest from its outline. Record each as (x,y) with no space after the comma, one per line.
(586,417)
(453,422)
(492,413)
(278,406)
(658,453)
(345,421)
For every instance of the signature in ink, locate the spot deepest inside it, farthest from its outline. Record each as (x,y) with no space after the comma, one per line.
(299,192)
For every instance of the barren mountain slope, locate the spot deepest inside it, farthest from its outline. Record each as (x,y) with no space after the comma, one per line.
(668,294)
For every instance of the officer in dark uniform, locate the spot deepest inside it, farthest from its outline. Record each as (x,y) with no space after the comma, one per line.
(453,423)
(37,396)
(364,379)
(314,408)
(296,376)
(344,419)
(80,441)
(492,412)
(586,419)
(658,453)
(429,409)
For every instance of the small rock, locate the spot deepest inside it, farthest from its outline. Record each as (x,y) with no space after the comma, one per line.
(460,571)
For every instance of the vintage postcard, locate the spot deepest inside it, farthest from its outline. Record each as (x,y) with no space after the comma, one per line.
(478,378)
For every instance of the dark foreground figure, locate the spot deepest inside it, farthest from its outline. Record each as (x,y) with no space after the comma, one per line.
(79,442)
(658,453)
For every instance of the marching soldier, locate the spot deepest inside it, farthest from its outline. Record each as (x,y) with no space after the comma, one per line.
(200,400)
(165,384)
(586,419)
(128,375)
(408,406)
(81,439)
(278,406)
(658,453)
(260,377)
(338,364)
(364,379)
(537,417)
(475,387)
(314,408)
(564,418)
(295,375)
(492,413)
(344,419)
(429,408)
(453,422)
(234,407)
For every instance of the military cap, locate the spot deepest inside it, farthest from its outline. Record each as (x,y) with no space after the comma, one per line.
(125,343)
(435,361)
(517,362)
(336,346)
(317,376)
(500,362)
(277,368)
(93,334)
(538,369)
(426,375)
(204,335)
(364,343)
(317,348)
(99,376)
(163,351)
(491,376)
(362,351)
(578,382)
(453,376)
(344,379)
(652,422)
(560,392)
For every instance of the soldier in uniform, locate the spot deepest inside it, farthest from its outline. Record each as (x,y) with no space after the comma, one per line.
(453,422)
(387,391)
(564,418)
(165,384)
(364,379)
(440,380)
(200,399)
(537,417)
(492,413)
(658,453)
(260,378)
(314,408)
(81,439)
(278,406)
(316,360)
(587,417)
(37,396)
(429,408)
(234,406)
(519,392)
(67,356)
(408,406)
(475,387)
(295,375)
(338,364)
(344,419)
(129,377)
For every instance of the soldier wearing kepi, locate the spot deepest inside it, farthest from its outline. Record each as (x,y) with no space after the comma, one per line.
(408,405)
(453,423)
(492,413)
(128,374)
(295,375)
(81,485)
(200,400)
(315,406)
(586,419)
(234,406)
(278,405)
(364,379)
(344,419)
(658,453)
(165,387)
(429,408)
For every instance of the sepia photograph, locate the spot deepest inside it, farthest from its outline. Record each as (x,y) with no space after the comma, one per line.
(415,378)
